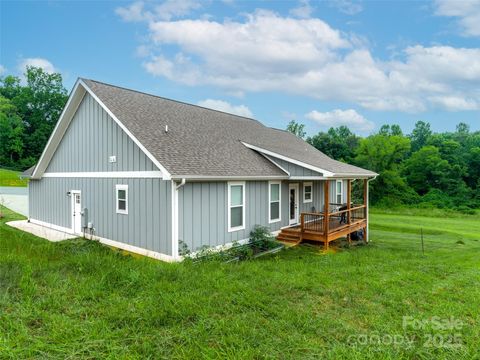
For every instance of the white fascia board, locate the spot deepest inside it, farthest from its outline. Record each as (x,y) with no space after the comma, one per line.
(166,174)
(228,178)
(309,178)
(325,173)
(74,100)
(107,174)
(353,176)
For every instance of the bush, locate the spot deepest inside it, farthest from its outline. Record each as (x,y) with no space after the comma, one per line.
(261,236)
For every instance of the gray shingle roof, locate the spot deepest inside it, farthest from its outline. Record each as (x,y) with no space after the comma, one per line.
(205,142)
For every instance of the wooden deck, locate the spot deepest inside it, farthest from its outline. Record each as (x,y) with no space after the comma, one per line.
(329,225)
(336,230)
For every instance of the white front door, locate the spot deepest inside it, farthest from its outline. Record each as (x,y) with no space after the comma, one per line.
(293,206)
(76,212)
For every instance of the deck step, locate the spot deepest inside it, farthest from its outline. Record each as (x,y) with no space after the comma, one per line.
(287,238)
(294,231)
(289,235)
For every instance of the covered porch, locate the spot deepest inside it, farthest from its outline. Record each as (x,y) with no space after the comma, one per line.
(337,220)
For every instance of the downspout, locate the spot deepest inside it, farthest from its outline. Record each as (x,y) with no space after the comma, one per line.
(175,218)
(181,184)
(368,208)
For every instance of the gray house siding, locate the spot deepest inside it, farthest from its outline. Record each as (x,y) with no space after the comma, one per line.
(293,169)
(91,138)
(147,224)
(203,210)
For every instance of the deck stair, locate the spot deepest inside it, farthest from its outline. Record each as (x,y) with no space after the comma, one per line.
(289,235)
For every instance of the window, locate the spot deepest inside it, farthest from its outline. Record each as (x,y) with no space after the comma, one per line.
(122,199)
(236,206)
(339,192)
(307,192)
(274,196)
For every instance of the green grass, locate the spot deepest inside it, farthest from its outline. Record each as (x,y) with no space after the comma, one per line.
(78,299)
(11,178)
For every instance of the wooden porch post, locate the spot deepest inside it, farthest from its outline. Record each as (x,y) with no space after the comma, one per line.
(326,187)
(365,202)
(349,199)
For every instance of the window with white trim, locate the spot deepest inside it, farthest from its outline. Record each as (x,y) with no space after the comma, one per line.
(236,206)
(307,192)
(274,199)
(339,192)
(122,198)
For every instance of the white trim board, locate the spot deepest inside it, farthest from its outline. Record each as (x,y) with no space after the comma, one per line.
(228,178)
(107,174)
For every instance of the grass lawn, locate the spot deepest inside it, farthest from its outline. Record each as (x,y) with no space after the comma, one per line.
(78,299)
(11,178)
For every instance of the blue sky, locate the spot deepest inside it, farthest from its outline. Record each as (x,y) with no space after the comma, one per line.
(325,63)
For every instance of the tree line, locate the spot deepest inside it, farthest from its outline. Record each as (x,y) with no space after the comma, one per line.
(421,168)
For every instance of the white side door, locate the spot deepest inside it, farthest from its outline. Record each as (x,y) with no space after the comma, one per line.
(293,206)
(76,211)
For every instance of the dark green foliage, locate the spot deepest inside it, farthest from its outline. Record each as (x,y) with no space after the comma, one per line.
(260,235)
(339,143)
(422,168)
(28,114)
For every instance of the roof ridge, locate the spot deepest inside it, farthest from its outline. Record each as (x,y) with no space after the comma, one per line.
(173,100)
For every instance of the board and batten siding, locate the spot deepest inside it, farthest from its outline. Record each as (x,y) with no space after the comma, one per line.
(147,224)
(293,169)
(91,138)
(203,211)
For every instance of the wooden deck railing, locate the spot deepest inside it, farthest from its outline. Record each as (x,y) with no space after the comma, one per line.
(312,222)
(337,220)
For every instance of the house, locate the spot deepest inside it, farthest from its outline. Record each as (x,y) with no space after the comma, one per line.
(149,175)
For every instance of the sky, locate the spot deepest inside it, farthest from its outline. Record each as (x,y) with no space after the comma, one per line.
(323,63)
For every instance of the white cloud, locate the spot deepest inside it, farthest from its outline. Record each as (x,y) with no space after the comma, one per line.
(46,65)
(467,12)
(303,11)
(224,106)
(339,117)
(2,69)
(167,10)
(133,13)
(175,8)
(346,6)
(268,52)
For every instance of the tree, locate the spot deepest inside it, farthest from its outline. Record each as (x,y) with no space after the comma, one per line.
(11,133)
(426,170)
(296,129)
(381,152)
(339,143)
(38,104)
(420,135)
